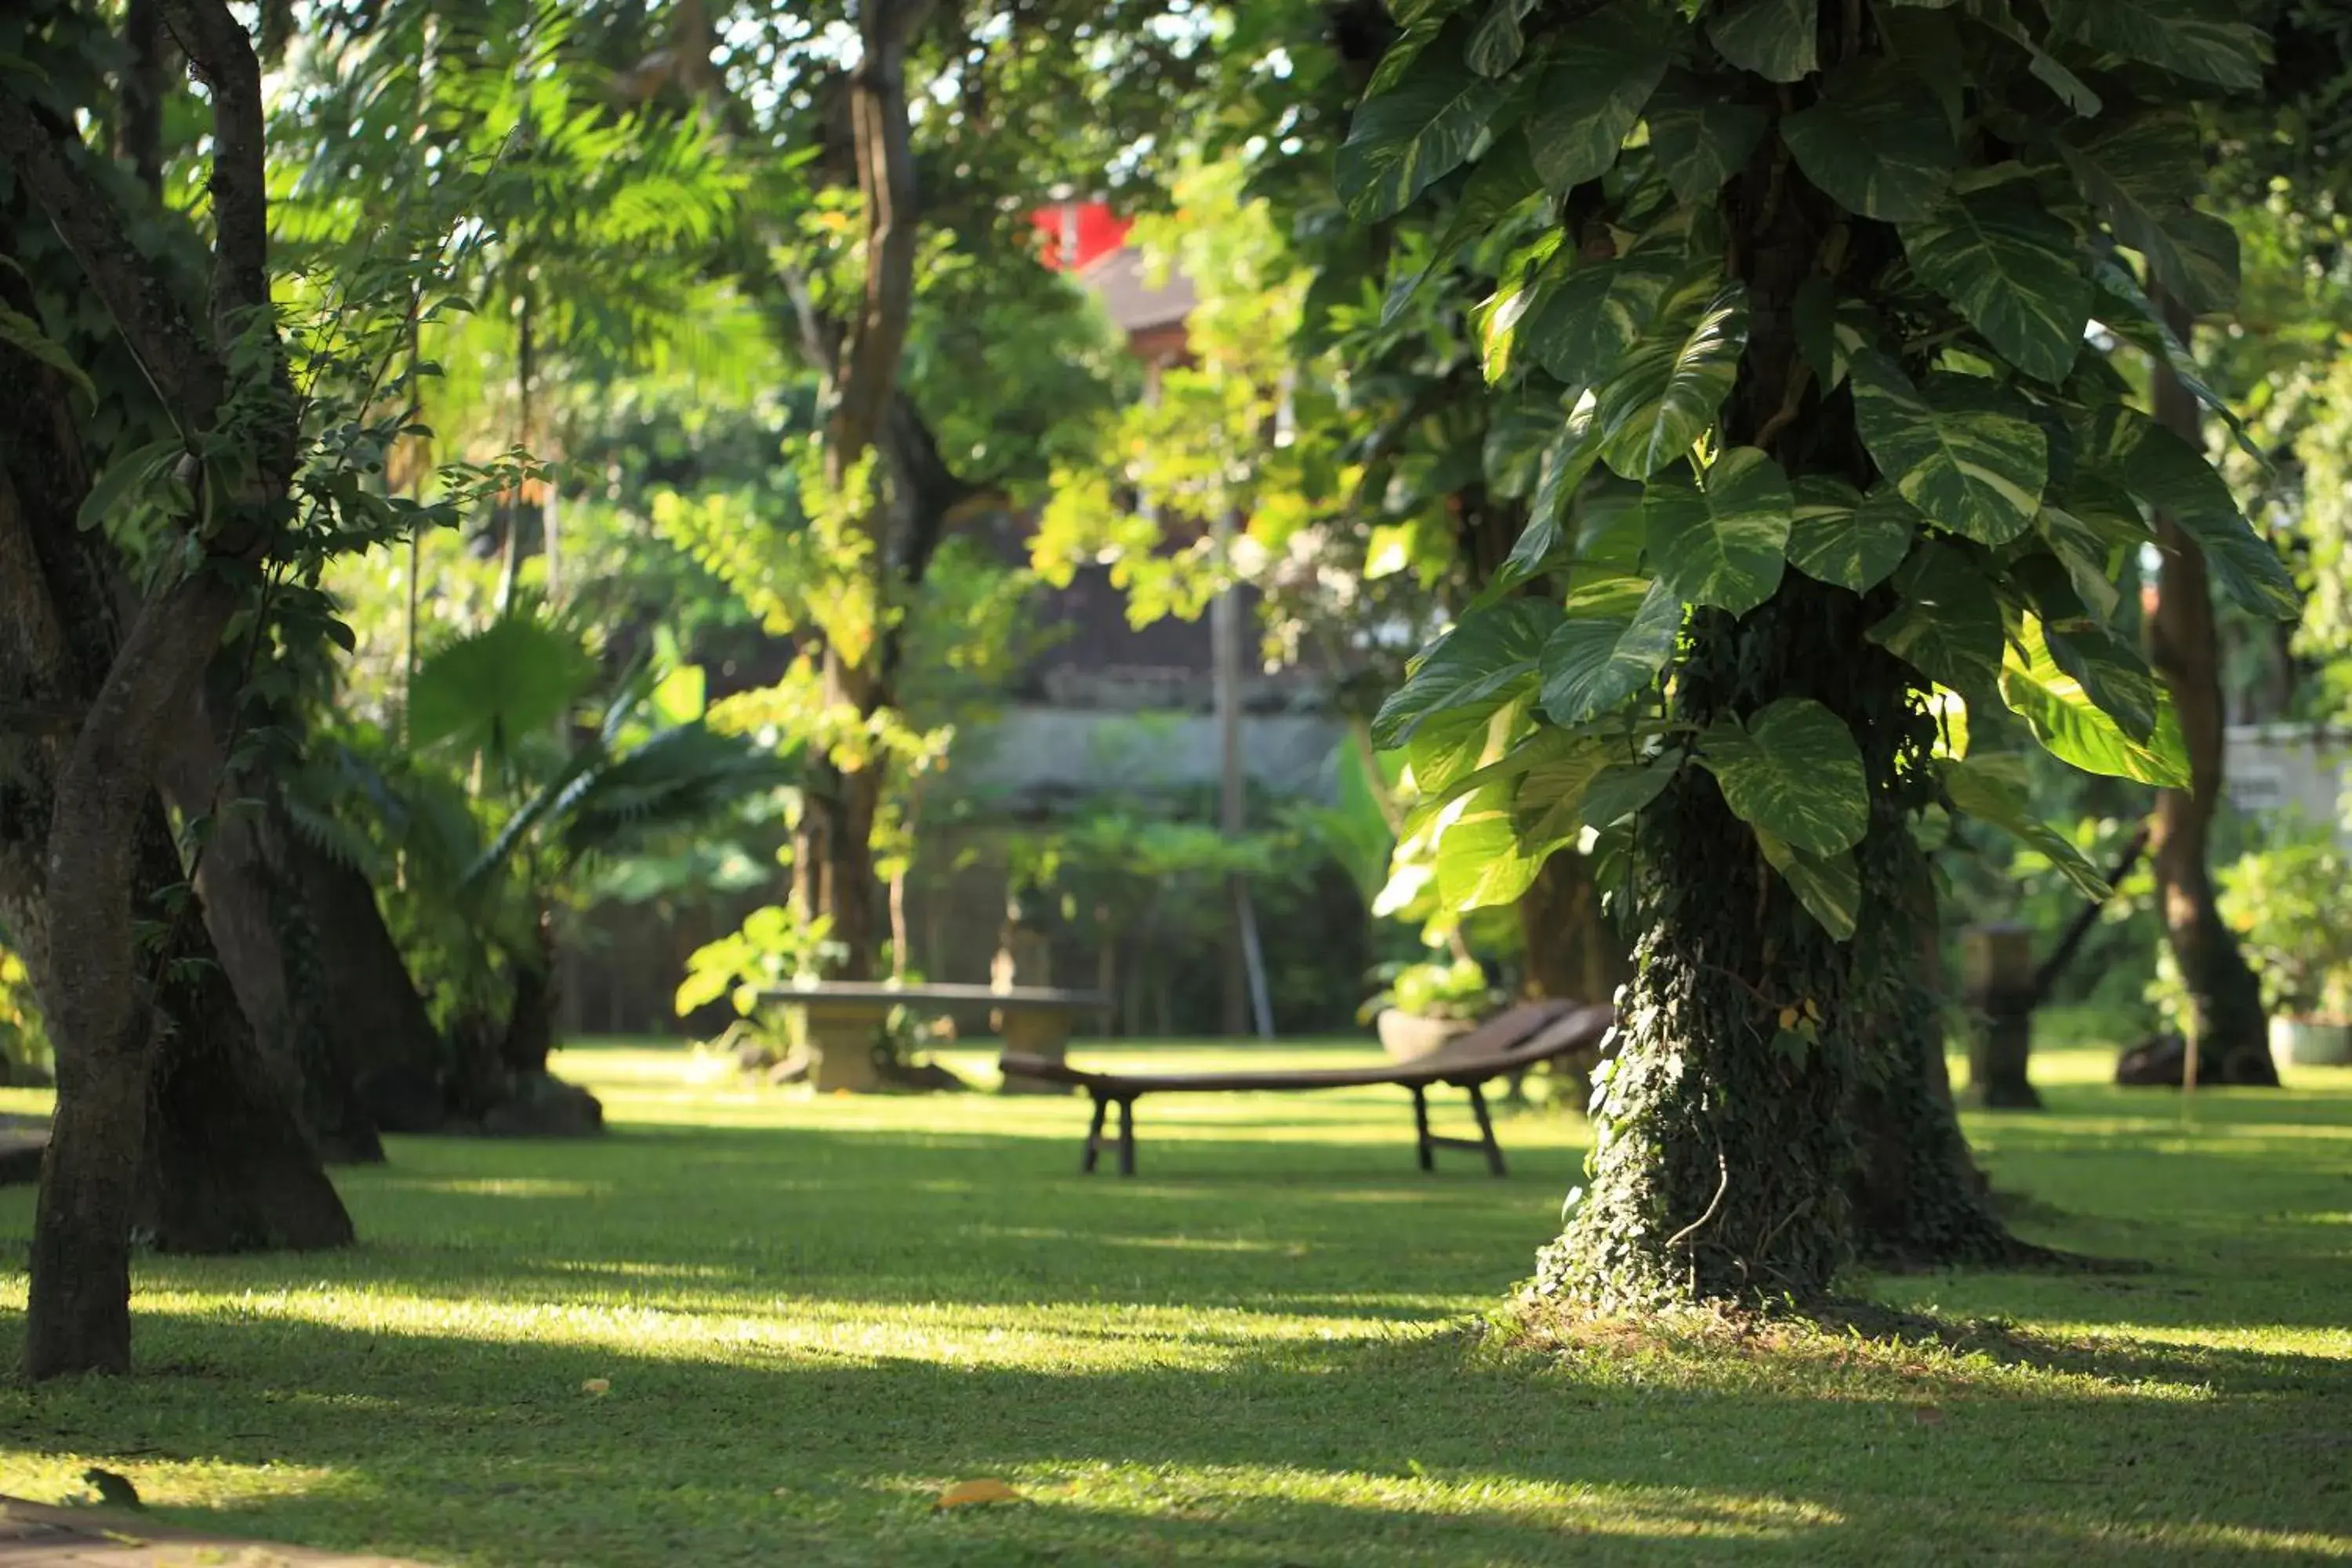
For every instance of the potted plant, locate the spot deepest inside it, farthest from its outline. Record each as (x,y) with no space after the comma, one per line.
(2286,903)
(1423,1005)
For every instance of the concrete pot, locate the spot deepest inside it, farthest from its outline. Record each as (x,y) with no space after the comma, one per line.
(1408,1035)
(2310,1042)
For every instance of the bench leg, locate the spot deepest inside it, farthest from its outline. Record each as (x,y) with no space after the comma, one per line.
(1421,1126)
(1094,1137)
(1127,1136)
(1486,1131)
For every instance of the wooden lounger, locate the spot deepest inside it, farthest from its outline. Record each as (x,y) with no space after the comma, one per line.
(1509,1043)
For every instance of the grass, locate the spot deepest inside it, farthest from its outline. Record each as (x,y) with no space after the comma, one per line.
(812,1314)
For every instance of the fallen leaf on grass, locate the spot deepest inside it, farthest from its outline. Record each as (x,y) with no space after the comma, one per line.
(597,1385)
(966,1494)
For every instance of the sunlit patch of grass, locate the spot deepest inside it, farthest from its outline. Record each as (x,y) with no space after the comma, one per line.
(760,1326)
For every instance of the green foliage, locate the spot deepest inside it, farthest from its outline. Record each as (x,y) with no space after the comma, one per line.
(2284,901)
(2006,476)
(774,948)
(24,1038)
(1457,989)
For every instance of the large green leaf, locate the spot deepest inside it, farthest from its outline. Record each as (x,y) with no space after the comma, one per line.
(1520,428)
(1603,71)
(515,676)
(1831,329)
(2130,166)
(1565,461)
(1699,138)
(2207,40)
(2125,309)
(2114,675)
(1846,538)
(1489,657)
(1874,144)
(1450,746)
(2012,271)
(1792,771)
(1417,133)
(2085,555)
(1625,788)
(2173,476)
(2074,729)
(1829,886)
(1504,177)
(1963,450)
(1617,633)
(1588,313)
(1979,788)
(1665,393)
(1774,38)
(1498,40)
(1950,627)
(1722,540)
(1548,806)
(1481,861)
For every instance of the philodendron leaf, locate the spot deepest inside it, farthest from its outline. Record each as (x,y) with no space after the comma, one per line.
(1963,451)
(1624,788)
(2173,476)
(1417,133)
(1480,858)
(1774,38)
(1699,138)
(1565,463)
(1519,429)
(1548,806)
(2076,730)
(1874,144)
(1829,886)
(1603,71)
(2206,40)
(2085,557)
(1794,772)
(2012,271)
(1590,310)
(1846,538)
(1950,627)
(2129,166)
(1617,633)
(1721,542)
(1497,43)
(1665,393)
(1981,789)
(1504,178)
(2125,309)
(1487,658)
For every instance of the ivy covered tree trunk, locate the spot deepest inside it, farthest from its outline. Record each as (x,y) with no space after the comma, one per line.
(2229,1020)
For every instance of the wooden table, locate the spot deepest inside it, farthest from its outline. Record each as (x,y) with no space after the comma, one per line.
(837,1022)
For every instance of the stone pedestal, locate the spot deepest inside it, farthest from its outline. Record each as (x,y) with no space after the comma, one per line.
(838,1034)
(2000,973)
(1025,957)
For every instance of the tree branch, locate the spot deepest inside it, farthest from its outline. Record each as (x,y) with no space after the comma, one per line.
(168,345)
(866,369)
(220,48)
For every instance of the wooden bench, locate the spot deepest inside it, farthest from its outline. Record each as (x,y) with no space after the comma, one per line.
(1509,1043)
(839,1020)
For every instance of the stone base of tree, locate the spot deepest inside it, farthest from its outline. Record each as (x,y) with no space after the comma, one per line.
(543,1106)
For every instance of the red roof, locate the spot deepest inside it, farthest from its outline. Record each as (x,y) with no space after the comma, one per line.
(1077,234)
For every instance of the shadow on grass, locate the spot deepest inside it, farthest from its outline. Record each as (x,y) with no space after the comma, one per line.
(472,1450)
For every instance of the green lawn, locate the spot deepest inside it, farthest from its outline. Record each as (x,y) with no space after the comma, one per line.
(814,1314)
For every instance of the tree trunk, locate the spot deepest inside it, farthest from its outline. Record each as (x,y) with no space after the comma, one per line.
(228,1165)
(852,891)
(265,939)
(1918,1198)
(1574,951)
(2226,999)
(78,1320)
(530,1026)
(1721,1172)
(380,1023)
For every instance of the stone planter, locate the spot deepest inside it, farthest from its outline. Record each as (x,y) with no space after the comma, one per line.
(2310,1042)
(1408,1035)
